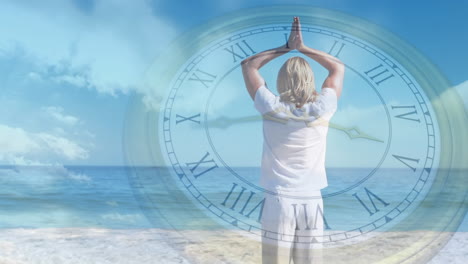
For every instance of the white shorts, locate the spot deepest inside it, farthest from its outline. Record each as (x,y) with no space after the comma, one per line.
(292,228)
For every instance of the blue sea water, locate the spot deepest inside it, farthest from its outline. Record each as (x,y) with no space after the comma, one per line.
(108,197)
(57,196)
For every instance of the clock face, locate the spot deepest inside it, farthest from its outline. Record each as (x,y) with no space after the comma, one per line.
(384,144)
(384,118)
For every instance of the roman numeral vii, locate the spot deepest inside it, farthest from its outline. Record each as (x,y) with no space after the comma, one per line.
(372,198)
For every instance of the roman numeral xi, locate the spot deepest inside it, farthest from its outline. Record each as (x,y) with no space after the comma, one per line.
(208,165)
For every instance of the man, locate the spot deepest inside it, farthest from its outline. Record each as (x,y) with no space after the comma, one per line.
(295,127)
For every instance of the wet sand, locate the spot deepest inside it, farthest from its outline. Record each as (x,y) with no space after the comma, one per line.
(89,245)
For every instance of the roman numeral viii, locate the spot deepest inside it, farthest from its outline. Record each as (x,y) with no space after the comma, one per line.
(237,200)
(240,50)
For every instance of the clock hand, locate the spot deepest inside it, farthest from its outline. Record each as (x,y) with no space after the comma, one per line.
(224,122)
(354,132)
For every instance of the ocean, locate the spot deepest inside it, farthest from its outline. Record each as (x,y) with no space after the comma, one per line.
(107,196)
(93,209)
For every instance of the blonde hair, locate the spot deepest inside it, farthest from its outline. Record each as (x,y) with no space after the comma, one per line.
(295,83)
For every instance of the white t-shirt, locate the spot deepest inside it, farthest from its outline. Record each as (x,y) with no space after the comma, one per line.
(294,141)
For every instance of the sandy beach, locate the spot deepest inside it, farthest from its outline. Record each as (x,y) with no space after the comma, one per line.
(89,245)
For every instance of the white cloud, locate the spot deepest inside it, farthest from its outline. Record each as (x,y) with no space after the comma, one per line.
(16,141)
(58,131)
(20,147)
(89,134)
(462,90)
(57,113)
(352,114)
(34,76)
(107,48)
(455,96)
(63,146)
(453,100)
(76,80)
(18,160)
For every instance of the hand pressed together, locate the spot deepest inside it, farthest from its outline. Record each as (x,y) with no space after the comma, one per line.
(295,40)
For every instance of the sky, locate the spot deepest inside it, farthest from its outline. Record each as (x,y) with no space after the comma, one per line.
(69,67)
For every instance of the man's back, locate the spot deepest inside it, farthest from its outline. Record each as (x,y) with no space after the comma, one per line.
(294,144)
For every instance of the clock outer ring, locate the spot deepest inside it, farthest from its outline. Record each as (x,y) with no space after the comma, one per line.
(141,131)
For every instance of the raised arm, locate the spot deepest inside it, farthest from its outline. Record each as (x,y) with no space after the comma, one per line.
(250,66)
(334,66)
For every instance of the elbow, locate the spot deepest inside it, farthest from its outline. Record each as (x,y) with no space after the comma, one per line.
(244,63)
(244,66)
(335,66)
(249,63)
(339,67)
(247,66)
